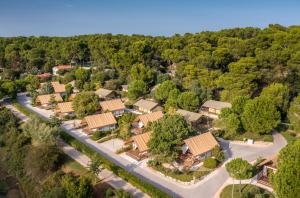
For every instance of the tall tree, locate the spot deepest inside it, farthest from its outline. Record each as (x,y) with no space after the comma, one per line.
(168,133)
(286,180)
(85,103)
(294,113)
(260,115)
(279,93)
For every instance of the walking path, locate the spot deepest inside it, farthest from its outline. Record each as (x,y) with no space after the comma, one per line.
(105,175)
(208,187)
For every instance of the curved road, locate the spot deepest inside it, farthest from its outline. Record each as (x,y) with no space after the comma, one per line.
(208,187)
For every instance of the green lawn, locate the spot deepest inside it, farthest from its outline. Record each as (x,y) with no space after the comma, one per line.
(254,136)
(247,190)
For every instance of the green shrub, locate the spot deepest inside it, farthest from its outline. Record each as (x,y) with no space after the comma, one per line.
(210,163)
(268,138)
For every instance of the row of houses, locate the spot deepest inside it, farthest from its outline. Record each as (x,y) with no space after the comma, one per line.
(196,148)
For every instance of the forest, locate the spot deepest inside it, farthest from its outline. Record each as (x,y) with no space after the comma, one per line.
(222,64)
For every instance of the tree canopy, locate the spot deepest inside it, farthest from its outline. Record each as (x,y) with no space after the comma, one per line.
(260,115)
(286,180)
(239,169)
(85,103)
(168,133)
(294,113)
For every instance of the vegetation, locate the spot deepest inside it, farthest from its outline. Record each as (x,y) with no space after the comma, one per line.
(294,113)
(286,180)
(167,134)
(239,169)
(248,190)
(34,158)
(210,163)
(85,103)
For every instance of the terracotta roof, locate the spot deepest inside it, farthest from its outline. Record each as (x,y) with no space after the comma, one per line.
(216,104)
(150,117)
(44,99)
(189,116)
(146,104)
(58,88)
(112,105)
(58,67)
(44,75)
(201,143)
(103,92)
(100,120)
(141,141)
(65,107)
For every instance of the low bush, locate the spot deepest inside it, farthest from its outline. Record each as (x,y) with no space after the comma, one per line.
(124,149)
(210,163)
(98,135)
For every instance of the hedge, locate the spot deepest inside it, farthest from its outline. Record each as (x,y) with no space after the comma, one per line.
(146,187)
(119,171)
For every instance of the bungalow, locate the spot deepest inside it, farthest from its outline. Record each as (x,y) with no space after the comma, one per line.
(200,146)
(99,122)
(191,117)
(145,119)
(44,75)
(139,146)
(146,106)
(116,106)
(45,100)
(55,69)
(64,109)
(105,93)
(58,88)
(212,108)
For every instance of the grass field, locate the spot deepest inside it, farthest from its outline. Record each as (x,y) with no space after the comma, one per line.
(247,190)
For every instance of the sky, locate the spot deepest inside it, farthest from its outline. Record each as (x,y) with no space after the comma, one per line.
(149,17)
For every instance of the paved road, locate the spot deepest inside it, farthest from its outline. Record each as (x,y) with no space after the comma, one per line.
(208,187)
(105,175)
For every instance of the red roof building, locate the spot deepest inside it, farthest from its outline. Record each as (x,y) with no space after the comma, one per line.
(44,75)
(55,69)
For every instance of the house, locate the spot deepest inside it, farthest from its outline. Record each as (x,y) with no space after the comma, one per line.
(116,106)
(64,109)
(145,119)
(146,106)
(192,118)
(200,146)
(139,146)
(105,94)
(44,75)
(268,167)
(45,100)
(55,69)
(124,88)
(58,88)
(99,122)
(212,108)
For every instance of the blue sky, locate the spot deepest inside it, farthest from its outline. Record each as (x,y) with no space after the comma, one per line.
(150,17)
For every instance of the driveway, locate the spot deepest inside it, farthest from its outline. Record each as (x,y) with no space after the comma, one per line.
(208,187)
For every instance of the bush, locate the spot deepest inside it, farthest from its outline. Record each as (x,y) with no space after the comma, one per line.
(268,138)
(210,163)
(98,135)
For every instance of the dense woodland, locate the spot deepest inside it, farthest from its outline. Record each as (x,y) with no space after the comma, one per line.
(257,70)
(221,64)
